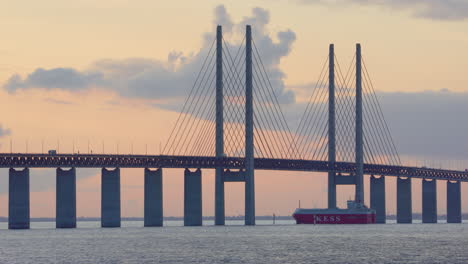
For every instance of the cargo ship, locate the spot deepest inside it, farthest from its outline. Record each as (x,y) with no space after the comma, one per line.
(356,213)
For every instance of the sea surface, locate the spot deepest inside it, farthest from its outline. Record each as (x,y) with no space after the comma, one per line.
(283,242)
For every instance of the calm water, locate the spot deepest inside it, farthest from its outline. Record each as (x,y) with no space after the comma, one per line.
(264,243)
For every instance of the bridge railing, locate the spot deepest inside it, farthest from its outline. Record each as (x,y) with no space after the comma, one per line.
(21,160)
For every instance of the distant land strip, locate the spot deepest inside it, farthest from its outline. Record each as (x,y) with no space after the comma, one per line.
(416,216)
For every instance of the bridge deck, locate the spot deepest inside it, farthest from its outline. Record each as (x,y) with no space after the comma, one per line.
(19,160)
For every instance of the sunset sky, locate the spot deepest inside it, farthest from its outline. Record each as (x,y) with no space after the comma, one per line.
(116,72)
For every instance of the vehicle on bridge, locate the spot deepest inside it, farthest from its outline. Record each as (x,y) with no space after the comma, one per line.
(356,213)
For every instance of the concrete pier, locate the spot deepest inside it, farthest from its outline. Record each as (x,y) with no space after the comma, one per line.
(110,198)
(454,202)
(429,201)
(153,198)
(18,199)
(377,198)
(404,206)
(193,198)
(65,195)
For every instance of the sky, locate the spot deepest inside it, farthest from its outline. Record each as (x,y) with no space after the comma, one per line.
(114,74)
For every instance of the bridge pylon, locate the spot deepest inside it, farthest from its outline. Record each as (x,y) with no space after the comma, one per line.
(359,131)
(331,129)
(249,137)
(248,173)
(219,130)
(358,176)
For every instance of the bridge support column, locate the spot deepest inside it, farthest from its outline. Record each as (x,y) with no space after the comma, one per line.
(110,198)
(404,206)
(454,202)
(359,131)
(193,198)
(65,195)
(153,198)
(219,147)
(249,136)
(377,198)
(331,129)
(18,199)
(219,197)
(429,201)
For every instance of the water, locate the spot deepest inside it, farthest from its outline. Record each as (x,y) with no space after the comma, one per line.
(264,243)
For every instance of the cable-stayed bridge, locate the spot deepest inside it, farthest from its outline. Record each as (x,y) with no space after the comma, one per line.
(232,122)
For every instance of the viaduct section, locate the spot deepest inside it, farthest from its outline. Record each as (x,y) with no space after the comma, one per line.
(229,169)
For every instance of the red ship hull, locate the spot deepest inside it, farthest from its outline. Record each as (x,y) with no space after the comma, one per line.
(342,218)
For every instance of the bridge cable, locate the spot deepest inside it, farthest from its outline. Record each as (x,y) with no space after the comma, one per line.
(311,116)
(274,100)
(312,104)
(382,116)
(272,125)
(345,115)
(234,109)
(204,133)
(237,112)
(318,121)
(369,151)
(196,108)
(203,108)
(300,128)
(188,113)
(189,98)
(282,119)
(234,113)
(257,136)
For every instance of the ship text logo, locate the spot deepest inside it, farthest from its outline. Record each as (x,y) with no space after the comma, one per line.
(327,218)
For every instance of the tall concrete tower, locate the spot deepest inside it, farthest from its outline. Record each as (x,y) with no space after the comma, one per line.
(359,131)
(249,140)
(331,129)
(219,183)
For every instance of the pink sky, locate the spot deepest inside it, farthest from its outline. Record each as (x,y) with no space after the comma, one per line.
(125,35)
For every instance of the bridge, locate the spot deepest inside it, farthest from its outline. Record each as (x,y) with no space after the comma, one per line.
(20,160)
(242,129)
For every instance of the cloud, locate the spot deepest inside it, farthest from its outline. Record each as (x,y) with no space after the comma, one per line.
(450,10)
(63,78)
(170,78)
(223,18)
(56,101)
(428,123)
(422,123)
(4,131)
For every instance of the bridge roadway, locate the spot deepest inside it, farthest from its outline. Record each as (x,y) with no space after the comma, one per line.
(21,160)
